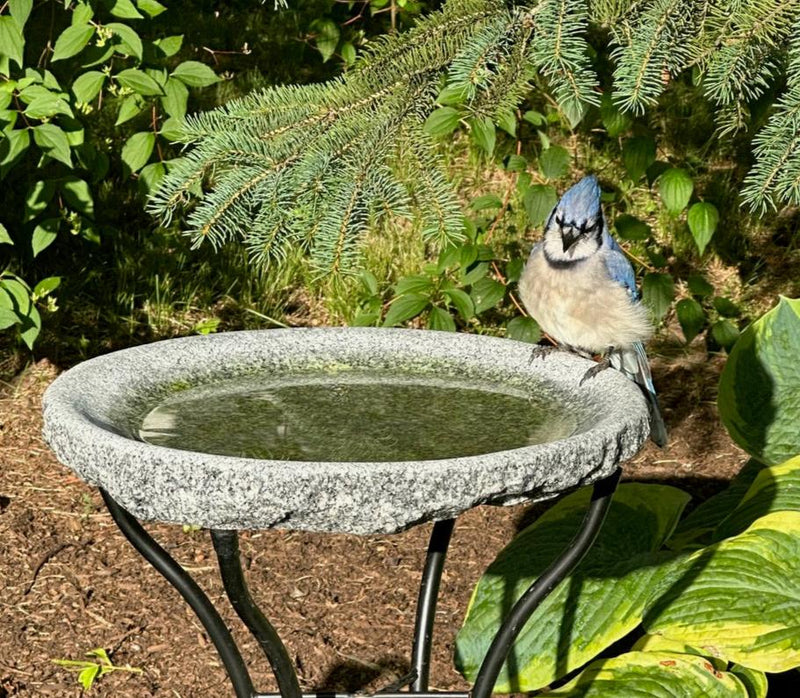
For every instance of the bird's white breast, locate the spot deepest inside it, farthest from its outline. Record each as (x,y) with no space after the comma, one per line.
(581,306)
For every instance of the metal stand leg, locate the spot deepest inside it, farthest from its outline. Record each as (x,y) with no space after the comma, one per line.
(193,594)
(541,588)
(226,545)
(426,604)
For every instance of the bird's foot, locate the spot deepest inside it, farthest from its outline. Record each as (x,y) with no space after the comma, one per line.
(540,351)
(601,365)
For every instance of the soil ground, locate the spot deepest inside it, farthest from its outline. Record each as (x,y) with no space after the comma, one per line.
(344,605)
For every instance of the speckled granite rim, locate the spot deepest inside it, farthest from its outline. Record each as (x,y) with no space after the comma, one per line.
(92,412)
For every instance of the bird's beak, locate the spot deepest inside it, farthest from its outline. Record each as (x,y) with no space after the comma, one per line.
(569,237)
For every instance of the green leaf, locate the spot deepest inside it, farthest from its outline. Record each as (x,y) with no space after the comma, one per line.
(175,98)
(702,219)
(601,602)
(539,201)
(482,133)
(440,319)
(725,333)
(554,162)
(169,45)
(46,286)
(77,195)
(631,228)
(44,104)
(195,74)
(130,44)
(72,41)
(5,238)
(12,43)
(739,600)
(348,53)
(754,681)
(775,488)
(486,293)
(139,81)
(524,329)
(53,142)
(481,203)
(405,307)
(8,318)
(655,675)
(20,11)
(534,118)
(637,155)
(152,8)
(415,283)
(18,294)
(88,675)
(151,175)
(506,119)
(137,150)
(698,286)
(453,95)
(759,390)
(658,290)
(13,145)
(172,129)
(703,520)
(675,187)
(692,318)
(442,121)
(326,35)
(615,121)
(475,273)
(130,107)
(39,195)
(726,307)
(462,302)
(44,234)
(125,9)
(82,12)
(514,269)
(516,163)
(87,86)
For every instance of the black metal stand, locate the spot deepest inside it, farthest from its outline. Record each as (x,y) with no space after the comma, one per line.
(226,545)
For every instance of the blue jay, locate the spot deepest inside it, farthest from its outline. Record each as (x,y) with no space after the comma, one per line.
(581,289)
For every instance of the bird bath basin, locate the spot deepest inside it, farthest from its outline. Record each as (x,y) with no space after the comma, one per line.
(338,430)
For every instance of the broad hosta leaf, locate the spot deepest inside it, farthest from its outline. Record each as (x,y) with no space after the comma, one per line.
(72,40)
(776,488)
(524,329)
(195,74)
(702,219)
(442,121)
(637,155)
(691,316)
(754,681)
(617,573)
(405,307)
(539,200)
(697,527)
(759,390)
(738,600)
(554,162)
(655,675)
(658,290)
(675,187)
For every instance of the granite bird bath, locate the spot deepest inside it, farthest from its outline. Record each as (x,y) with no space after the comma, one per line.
(348,430)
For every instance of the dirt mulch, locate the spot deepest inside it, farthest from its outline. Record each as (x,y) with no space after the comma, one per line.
(344,605)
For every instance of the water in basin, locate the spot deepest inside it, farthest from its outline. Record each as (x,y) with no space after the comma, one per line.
(352,416)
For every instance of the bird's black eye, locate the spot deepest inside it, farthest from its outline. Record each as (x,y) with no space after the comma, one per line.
(559,220)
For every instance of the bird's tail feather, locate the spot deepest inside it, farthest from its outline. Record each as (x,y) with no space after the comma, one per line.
(633,363)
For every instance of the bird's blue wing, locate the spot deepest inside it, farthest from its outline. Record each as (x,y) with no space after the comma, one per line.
(618,266)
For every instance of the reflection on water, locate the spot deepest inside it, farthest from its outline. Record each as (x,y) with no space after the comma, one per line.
(353,416)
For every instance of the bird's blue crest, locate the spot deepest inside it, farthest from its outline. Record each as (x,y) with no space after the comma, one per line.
(581,202)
